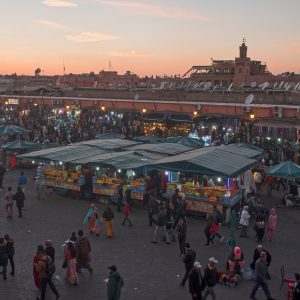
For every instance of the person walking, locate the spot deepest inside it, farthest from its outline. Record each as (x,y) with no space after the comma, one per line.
(22,181)
(45,270)
(50,250)
(71,274)
(210,278)
(36,274)
(108,218)
(9,203)
(126,210)
(73,237)
(261,269)
(196,284)
(181,232)
(244,221)
(120,197)
(92,218)
(161,223)
(153,208)
(271,225)
(10,248)
(83,253)
(115,284)
(2,172)
(256,255)
(19,197)
(260,226)
(3,257)
(188,260)
(217,216)
(208,230)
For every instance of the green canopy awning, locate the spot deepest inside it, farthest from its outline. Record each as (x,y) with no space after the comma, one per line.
(181,118)
(246,150)
(24,145)
(148,139)
(108,144)
(110,136)
(162,148)
(285,169)
(120,160)
(64,154)
(186,141)
(207,161)
(154,117)
(11,130)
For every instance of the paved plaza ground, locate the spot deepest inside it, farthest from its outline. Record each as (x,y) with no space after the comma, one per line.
(150,272)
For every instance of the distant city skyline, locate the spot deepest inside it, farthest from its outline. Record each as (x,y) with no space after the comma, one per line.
(146,37)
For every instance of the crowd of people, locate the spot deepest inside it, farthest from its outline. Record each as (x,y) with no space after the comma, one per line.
(170,221)
(66,125)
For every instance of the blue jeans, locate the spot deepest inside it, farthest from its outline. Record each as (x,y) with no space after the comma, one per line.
(45,281)
(161,228)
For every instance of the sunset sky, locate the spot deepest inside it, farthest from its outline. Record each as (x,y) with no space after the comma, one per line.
(147,37)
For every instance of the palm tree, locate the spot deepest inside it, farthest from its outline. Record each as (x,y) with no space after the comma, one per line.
(37,72)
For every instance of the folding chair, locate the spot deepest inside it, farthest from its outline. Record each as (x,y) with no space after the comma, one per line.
(284,278)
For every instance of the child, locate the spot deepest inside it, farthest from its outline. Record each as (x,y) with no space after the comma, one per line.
(126,214)
(271,226)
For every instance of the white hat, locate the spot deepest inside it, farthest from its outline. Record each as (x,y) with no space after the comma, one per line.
(213,260)
(197,265)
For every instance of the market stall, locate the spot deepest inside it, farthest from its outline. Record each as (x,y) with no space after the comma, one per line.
(223,166)
(116,168)
(200,199)
(58,177)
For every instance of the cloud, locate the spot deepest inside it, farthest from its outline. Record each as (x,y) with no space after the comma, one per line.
(59,3)
(128,54)
(157,10)
(87,37)
(53,25)
(23,47)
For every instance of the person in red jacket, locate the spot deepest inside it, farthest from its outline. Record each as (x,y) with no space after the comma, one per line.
(126,214)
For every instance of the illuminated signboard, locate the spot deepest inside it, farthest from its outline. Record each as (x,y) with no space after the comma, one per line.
(13,101)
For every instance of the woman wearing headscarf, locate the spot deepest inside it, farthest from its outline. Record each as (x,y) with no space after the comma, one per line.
(271,226)
(236,260)
(107,220)
(36,274)
(92,220)
(71,274)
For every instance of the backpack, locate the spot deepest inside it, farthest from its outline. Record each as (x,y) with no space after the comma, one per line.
(50,266)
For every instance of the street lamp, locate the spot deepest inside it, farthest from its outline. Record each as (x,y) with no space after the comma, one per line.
(195,113)
(103,108)
(252,116)
(144,110)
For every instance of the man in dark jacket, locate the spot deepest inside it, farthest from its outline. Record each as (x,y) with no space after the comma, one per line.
(10,248)
(19,197)
(50,250)
(210,278)
(196,283)
(260,277)
(188,260)
(256,256)
(115,284)
(3,257)
(161,222)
